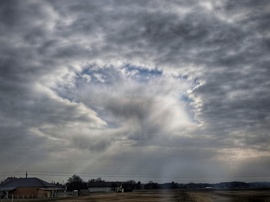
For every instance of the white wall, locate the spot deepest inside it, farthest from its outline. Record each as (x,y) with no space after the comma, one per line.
(100,189)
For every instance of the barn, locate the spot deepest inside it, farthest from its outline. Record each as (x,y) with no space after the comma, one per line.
(28,188)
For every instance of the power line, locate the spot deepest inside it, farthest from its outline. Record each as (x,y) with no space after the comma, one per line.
(66,174)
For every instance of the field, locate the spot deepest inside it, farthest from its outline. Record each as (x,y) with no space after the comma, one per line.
(170,196)
(178,196)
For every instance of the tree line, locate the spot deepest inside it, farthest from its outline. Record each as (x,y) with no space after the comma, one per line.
(75,182)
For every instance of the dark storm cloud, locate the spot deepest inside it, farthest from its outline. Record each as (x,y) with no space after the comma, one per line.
(47,95)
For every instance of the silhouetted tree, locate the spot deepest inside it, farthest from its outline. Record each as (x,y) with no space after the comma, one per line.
(151,185)
(139,185)
(129,185)
(76,183)
(173,185)
(99,179)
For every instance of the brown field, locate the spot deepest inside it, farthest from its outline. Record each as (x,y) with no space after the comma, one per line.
(171,196)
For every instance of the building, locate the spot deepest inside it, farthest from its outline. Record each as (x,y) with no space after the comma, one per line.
(105,187)
(28,188)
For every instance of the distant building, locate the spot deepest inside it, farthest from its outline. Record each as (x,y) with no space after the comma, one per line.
(105,187)
(27,188)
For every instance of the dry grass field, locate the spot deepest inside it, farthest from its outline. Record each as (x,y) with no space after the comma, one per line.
(170,196)
(178,196)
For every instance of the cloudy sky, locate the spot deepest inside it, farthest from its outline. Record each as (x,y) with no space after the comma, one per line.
(145,90)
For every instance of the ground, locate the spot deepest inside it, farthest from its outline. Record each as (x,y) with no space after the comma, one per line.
(172,196)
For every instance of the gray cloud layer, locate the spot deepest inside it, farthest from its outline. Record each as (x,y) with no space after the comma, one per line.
(181,86)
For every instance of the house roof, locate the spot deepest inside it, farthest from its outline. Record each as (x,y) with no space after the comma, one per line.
(8,180)
(26,182)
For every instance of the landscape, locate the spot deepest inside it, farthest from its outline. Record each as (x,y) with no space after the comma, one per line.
(191,192)
(135,100)
(98,190)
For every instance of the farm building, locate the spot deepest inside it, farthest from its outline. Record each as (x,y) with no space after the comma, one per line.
(105,187)
(28,188)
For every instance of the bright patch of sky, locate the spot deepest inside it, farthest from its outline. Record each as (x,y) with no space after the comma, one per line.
(97,86)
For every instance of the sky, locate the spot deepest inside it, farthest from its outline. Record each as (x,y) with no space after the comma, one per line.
(155,90)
